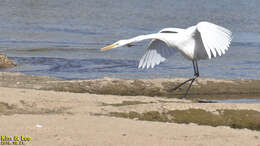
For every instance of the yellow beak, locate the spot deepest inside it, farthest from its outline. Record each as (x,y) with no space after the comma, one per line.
(108,47)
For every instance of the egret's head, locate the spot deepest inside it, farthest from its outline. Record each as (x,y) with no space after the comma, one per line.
(115,45)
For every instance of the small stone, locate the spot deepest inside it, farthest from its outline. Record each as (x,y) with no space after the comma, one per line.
(38,126)
(124,134)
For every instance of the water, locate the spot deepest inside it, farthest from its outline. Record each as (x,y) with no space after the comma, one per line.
(244,100)
(61,38)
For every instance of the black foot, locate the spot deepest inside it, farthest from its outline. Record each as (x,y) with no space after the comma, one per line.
(196,75)
(187,91)
(178,86)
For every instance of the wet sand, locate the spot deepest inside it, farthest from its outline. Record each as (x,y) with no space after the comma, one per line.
(202,88)
(66,118)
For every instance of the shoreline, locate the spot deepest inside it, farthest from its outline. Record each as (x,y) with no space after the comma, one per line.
(53,111)
(203,88)
(64,118)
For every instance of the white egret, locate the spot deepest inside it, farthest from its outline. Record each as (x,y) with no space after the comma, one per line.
(202,41)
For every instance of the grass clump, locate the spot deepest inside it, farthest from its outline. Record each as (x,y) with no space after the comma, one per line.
(6,109)
(125,103)
(233,118)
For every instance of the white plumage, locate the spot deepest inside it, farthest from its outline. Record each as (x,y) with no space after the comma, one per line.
(202,41)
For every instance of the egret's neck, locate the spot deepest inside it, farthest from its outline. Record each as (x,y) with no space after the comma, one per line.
(169,39)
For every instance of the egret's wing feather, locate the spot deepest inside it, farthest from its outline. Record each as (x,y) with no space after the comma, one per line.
(157,52)
(216,39)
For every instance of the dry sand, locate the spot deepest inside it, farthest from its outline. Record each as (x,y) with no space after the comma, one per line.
(73,119)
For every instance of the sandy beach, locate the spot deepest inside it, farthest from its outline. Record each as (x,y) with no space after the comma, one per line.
(72,119)
(58,88)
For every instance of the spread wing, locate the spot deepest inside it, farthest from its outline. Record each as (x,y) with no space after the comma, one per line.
(157,52)
(216,39)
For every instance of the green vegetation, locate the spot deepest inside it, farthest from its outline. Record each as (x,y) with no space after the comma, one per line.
(6,109)
(233,118)
(125,103)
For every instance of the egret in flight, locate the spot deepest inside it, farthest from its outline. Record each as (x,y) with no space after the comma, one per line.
(202,41)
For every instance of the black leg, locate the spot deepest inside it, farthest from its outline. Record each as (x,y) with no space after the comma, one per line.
(181,84)
(196,75)
(193,79)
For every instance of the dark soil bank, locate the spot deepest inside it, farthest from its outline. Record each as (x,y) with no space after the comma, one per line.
(202,88)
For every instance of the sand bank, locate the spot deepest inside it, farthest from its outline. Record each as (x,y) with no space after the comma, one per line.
(28,108)
(202,88)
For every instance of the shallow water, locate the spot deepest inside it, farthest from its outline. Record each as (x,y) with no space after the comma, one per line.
(61,38)
(246,101)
